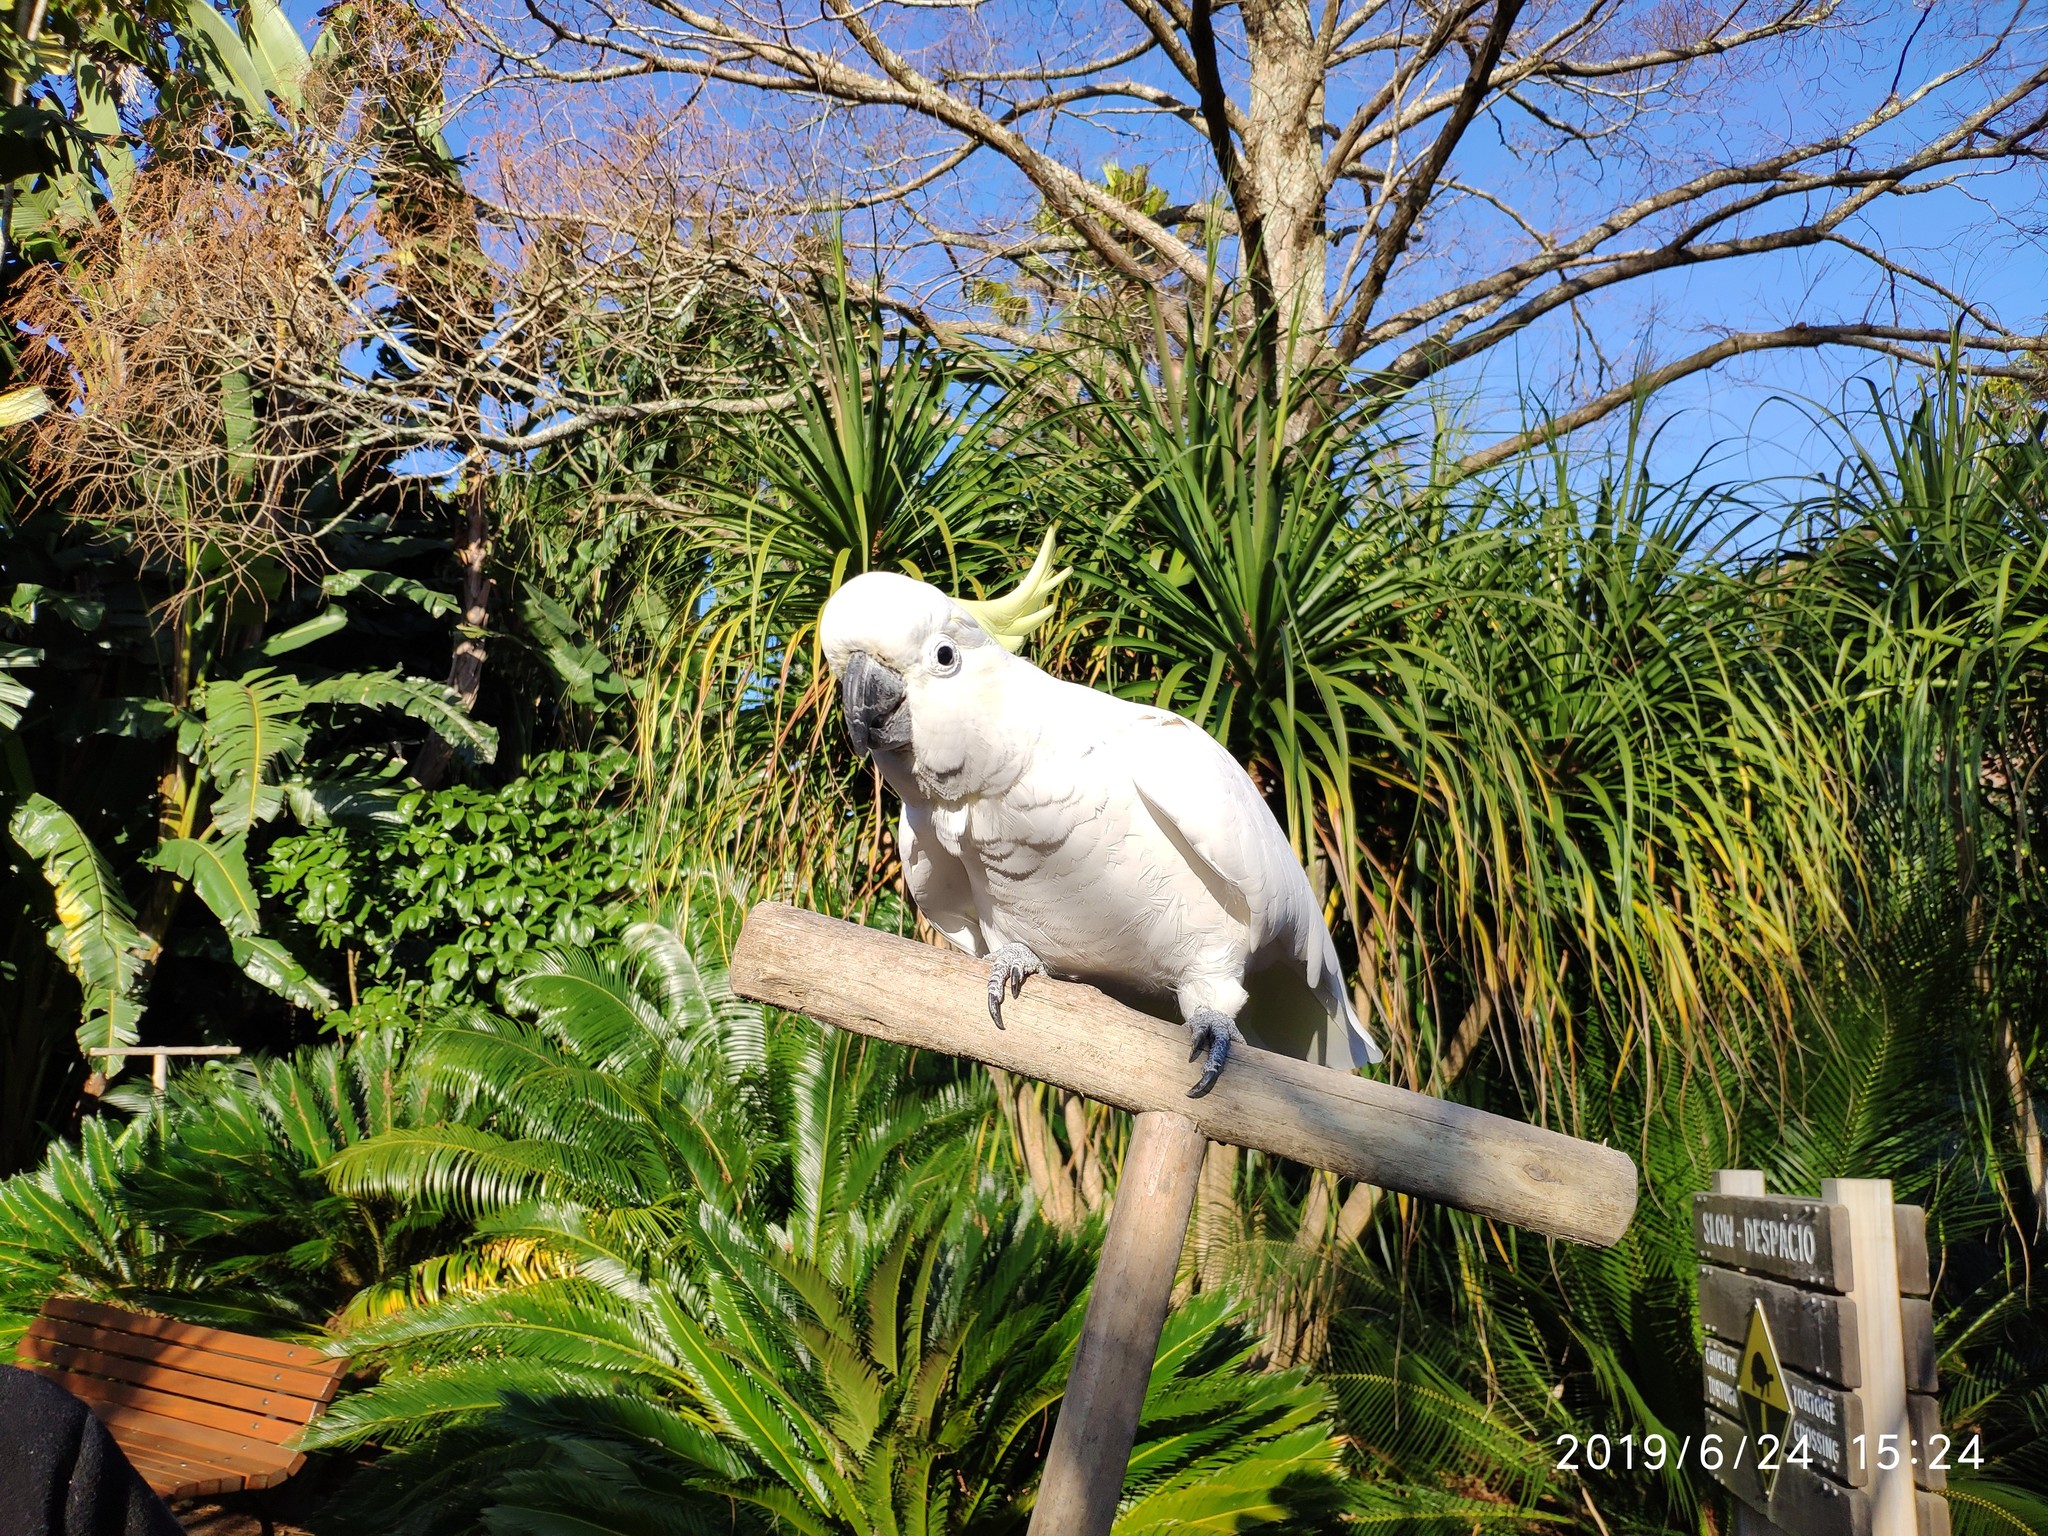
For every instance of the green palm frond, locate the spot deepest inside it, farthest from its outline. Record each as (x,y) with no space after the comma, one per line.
(783,1284)
(66,1228)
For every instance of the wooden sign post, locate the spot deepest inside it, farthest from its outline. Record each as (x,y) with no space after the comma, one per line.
(1819,1359)
(1075,1038)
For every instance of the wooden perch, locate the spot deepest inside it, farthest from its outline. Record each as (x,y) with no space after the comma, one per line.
(1075,1037)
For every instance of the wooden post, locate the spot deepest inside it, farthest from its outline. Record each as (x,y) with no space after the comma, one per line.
(160,1057)
(1091,1444)
(1874,1287)
(1075,1038)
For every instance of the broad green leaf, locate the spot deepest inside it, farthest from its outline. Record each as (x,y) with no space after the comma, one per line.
(253,725)
(347,802)
(218,870)
(220,52)
(269,964)
(137,719)
(24,403)
(15,695)
(275,47)
(434,705)
(238,420)
(584,670)
(99,112)
(33,213)
(95,933)
(319,627)
(32,601)
(340,19)
(429,600)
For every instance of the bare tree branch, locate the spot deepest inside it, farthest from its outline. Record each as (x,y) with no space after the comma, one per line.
(962,135)
(1919,347)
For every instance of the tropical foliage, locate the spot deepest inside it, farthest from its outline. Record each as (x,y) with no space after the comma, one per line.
(787,1279)
(381,696)
(211,1204)
(439,896)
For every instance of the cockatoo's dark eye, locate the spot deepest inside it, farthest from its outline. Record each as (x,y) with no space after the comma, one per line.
(945,656)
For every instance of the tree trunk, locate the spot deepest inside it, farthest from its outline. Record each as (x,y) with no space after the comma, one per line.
(1283,169)
(1471,1030)
(1084,1136)
(466,670)
(2026,1122)
(1054,1176)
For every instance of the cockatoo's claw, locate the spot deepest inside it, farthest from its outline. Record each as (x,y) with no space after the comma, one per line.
(1213,1033)
(1007,968)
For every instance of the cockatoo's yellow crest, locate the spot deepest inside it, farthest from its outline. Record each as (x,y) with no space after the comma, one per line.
(1011,618)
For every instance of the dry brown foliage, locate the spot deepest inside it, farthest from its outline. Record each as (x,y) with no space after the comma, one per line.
(172,340)
(268,305)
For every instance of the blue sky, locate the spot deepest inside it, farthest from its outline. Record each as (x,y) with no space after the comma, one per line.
(1753,417)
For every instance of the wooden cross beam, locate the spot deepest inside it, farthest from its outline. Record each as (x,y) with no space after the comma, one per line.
(1076,1038)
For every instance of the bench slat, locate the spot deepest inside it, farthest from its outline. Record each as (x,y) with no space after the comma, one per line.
(236,1425)
(208,1449)
(217,1340)
(167,1440)
(176,1477)
(84,1361)
(179,1475)
(314,1387)
(252,1466)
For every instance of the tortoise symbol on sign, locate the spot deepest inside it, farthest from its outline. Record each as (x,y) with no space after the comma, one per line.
(1766,1409)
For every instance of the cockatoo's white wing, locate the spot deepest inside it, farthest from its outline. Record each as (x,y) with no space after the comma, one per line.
(1208,806)
(938,881)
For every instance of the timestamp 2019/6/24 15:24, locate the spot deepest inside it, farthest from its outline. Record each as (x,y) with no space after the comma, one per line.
(1710,1452)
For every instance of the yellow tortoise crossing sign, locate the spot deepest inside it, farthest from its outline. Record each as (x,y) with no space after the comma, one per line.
(1760,1392)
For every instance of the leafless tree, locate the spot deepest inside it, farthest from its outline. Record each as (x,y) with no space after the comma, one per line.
(1395,186)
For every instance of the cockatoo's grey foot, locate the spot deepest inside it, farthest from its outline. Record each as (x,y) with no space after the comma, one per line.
(1007,968)
(1213,1033)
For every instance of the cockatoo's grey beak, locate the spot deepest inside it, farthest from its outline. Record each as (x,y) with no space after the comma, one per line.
(872,696)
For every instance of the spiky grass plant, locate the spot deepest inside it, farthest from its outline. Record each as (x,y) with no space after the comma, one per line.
(1534,731)
(890,457)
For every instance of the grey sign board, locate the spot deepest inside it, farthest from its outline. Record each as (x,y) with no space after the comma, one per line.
(1815,1334)
(1803,1241)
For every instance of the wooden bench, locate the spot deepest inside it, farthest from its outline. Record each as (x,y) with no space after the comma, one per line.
(197,1410)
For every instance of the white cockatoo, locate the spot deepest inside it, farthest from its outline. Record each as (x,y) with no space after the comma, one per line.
(1053,829)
